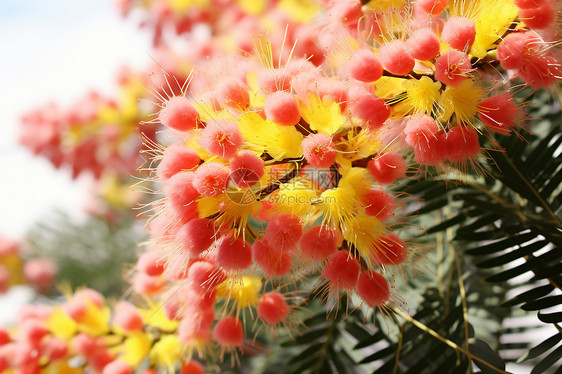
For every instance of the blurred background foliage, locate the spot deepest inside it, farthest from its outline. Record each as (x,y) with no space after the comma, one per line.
(95,253)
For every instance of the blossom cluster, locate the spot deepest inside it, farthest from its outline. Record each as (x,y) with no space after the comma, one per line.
(229,22)
(278,165)
(39,273)
(97,136)
(85,335)
(283,165)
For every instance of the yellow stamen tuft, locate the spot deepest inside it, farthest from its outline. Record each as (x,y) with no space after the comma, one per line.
(182,6)
(385,5)
(166,351)
(323,115)
(263,135)
(421,94)
(294,198)
(364,233)
(60,324)
(355,146)
(252,7)
(154,316)
(245,292)
(338,204)
(135,348)
(358,179)
(300,11)
(462,102)
(492,18)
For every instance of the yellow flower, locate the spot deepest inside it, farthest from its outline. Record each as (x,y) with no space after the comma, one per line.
(384,5)
(154,316)
(95,322)
(166,352)
(301,11)
(208,206)
(294,198)
(363,232)
(323,115)
(389,87)
(60,324)
(338,204)
(256,100)
(14,264)
(462,101)
(235,205)
(358,179)
(252,7)
(58,367)
(491,24)
(356,145)
(128,99)
(421,94)
(282,141)
(135,348)
(108,114)
(193,144)
(263,135)
(117,193)
(245,291)
(251,126)
(491,17)
(182,6)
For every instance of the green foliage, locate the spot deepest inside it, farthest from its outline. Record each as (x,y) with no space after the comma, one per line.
(92,253)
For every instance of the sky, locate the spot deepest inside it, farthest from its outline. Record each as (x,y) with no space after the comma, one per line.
(54,50)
